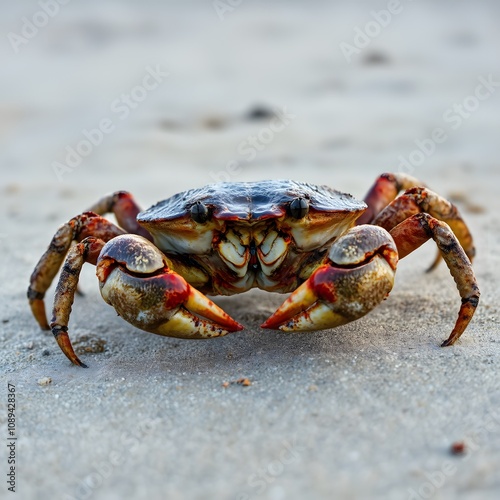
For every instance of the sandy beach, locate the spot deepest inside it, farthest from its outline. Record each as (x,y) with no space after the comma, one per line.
(161,97)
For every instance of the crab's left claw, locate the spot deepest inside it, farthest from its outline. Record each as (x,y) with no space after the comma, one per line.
(357,275)
(136,280)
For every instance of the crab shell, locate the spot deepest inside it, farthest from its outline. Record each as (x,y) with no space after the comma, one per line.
(249,236)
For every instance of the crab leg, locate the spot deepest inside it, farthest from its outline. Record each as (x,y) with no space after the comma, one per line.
(383,191)
(125,209)
(76,229)
(387,210)
(419,228)
(416,200)
(86,251)
(357,275)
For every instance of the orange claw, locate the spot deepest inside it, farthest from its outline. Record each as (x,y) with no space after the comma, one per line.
(333,296)
(357,275)
(299,301)
(199,304)
(135,279)
(165,304)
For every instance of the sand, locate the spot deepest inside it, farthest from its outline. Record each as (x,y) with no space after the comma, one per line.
(368,410)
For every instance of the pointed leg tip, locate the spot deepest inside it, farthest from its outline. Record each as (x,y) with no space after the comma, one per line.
(60,333)
(38,311)
(75,360)
(448,342)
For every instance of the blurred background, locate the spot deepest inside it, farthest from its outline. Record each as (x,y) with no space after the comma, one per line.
(156,97)
(362,82)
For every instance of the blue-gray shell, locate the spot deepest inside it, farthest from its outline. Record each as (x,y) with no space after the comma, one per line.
(251,201)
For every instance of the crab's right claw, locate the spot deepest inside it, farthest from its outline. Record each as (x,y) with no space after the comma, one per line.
(334,296)
(135,279)
(357,276)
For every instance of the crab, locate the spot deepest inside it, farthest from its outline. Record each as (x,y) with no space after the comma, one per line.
(334,254)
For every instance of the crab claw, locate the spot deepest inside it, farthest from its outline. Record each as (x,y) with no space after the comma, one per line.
(135,279)
(197,317)
(358,275)
(167,305)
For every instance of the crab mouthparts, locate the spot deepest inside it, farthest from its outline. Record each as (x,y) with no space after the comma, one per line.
(254,262)
(244,250)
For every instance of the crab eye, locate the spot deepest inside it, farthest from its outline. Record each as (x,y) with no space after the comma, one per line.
(199,212)
(299,208)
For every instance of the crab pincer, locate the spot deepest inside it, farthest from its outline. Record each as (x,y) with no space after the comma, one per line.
(356,276)
(135,278)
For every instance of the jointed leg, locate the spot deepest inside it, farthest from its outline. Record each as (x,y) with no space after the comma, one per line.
(75,230)
(135,278)
(86,251)
(387,209)
(385,189)
(125,209)
(416,200)
(416,230)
